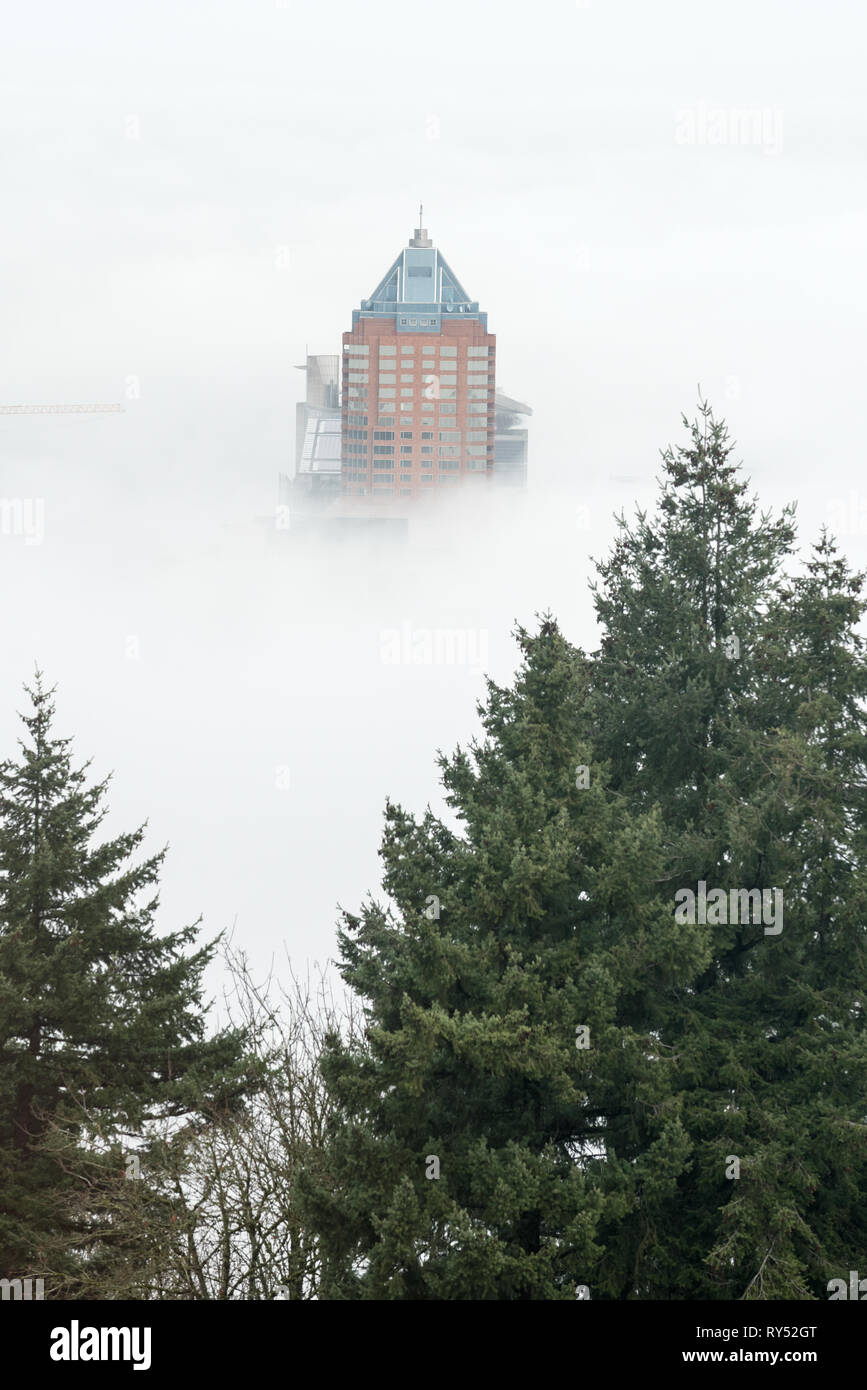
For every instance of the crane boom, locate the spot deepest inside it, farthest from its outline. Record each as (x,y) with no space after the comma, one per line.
(57,409)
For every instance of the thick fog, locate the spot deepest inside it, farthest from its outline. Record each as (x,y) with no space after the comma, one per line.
(642,198)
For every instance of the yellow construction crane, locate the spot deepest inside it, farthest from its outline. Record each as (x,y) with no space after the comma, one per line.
(58,409)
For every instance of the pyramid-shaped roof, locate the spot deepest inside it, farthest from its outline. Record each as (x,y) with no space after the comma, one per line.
(419,281)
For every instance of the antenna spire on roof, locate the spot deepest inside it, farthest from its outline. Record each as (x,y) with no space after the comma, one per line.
(421,238)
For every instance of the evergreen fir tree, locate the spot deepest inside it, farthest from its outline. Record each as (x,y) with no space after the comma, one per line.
(101,1020)
(480,1135)
(797,1218)
(742,743)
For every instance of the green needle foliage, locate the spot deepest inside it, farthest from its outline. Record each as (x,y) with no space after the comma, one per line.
(101,1020)
(755,754)
(479,1138)
(710,1142)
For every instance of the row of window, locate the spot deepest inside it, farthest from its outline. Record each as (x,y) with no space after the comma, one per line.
(445,435)
(388,465)
(473,407)
(445,450)
(387,378)
(445,393)
(408,350)
(445,408)
(426,406)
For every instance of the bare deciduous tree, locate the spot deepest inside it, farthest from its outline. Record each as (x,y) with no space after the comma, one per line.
(207,1210)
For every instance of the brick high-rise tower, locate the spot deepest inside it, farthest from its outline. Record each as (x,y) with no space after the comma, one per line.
(417,385)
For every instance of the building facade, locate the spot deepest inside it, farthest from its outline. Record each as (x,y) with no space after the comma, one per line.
(318,424)
(418,384)
(412,408)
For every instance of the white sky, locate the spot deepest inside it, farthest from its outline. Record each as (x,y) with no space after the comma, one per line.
(158,161)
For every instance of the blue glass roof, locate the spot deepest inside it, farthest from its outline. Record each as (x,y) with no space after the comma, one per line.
(419,281)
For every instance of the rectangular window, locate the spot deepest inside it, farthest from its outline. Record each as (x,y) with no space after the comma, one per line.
(477,352)
(389,490)
(387,351)
(406,376)
(428,364)
(448,379)
(356,419)
(426,449)
(385,420)
(427,434)
(448,451)
(448,408)
(383,434)
(474,394)
(356,434)
(407,391)
(448,352)
(447,393)
(475,435)
(449,463)
(476,464)
(404,491)
(387,391)
(383,449)
(476,449)
(477,408)
(356,348)
(406,448)
(427,477)
(358,376)
(476,379)
(450,436)
(408,351)
(388,378)
(360,391)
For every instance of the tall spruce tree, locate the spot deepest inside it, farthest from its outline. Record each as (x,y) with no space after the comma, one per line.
(798,1217)
(508,1098)
(733,698)
(101,1020)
